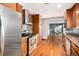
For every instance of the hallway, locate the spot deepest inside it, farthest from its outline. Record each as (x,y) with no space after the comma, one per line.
(50,47)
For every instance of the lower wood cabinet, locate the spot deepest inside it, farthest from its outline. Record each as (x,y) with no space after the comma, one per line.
(66,45)
(74,53)
(74,50)
(71,49)
(24,46)
(38,39)
(64,42)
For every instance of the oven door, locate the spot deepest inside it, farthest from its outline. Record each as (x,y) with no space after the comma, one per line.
(32,44)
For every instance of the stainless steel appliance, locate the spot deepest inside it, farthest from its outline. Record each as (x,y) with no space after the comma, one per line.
(31,44)
(10,41)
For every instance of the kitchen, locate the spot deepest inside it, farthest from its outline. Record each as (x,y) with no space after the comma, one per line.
(70,28)
(41,31)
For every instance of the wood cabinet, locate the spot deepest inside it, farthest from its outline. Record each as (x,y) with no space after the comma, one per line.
(24,46)
(14,6)
(36,21)
(74,50)
(18,7)
(64,42)
(71,49)
(69,18)
(72,16)
(74,53)
(77,14)
(66,45)
(10,5)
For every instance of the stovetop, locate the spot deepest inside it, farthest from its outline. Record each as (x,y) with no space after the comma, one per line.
(27,35)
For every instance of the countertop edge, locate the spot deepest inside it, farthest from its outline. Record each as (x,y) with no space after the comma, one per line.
(76,42)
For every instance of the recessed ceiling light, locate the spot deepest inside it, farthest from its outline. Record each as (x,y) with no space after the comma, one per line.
(58,5)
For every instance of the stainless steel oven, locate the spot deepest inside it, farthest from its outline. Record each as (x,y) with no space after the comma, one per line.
(32,44)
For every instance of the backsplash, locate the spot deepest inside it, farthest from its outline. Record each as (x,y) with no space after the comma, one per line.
(73,31)
(26,28)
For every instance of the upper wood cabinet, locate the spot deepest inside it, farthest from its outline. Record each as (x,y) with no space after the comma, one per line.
(36,23)
(24,46)
(18,7)
(69,18)
(72,16)
(14,6)
(77,15)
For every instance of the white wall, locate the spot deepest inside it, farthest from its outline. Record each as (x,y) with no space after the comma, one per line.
(47,21)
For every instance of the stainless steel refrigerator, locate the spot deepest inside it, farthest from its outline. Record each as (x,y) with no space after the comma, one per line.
(10,32)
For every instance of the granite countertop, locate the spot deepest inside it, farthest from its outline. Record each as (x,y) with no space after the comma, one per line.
(74,39)
(28,35)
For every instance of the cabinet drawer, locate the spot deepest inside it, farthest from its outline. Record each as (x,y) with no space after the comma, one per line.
(76,48)
(74,53)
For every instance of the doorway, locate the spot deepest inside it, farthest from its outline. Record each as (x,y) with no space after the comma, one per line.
(56,32)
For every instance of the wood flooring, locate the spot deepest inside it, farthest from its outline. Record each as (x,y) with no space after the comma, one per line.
(50,47)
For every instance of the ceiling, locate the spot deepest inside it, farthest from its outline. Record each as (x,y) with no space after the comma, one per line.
(47,9)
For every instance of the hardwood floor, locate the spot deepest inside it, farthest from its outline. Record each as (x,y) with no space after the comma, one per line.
(50,47)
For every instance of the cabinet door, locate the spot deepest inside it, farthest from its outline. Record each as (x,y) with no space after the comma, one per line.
(64,42)
(74,16)
(77,15)
(18,7)
(10,5)
(69,18)
(36,23)
(24,46)
(67,46)
(14,6)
